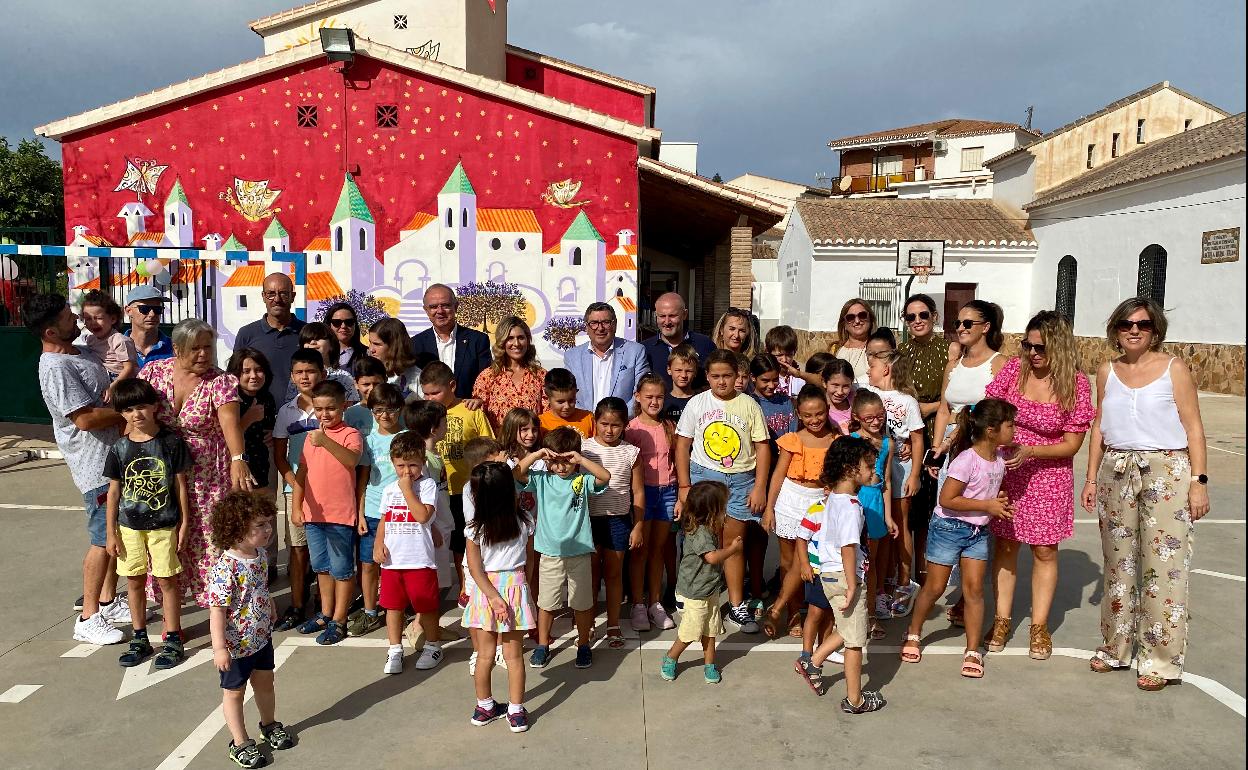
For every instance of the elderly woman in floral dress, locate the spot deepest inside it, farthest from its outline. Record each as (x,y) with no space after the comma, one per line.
(200,403)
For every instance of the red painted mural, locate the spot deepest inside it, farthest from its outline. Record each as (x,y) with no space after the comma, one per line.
(572,87)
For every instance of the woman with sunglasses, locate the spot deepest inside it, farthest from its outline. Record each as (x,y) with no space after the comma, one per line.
(1055,411)
(341,317)
(1146,482)
(855,327)
(735,331)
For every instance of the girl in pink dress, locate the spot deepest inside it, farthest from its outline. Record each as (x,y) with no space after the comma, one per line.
(1055,412)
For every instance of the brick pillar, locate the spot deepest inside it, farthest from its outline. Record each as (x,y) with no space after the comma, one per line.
(740,269)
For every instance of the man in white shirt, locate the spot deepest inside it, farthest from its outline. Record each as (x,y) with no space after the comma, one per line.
(466,351)
(607,365)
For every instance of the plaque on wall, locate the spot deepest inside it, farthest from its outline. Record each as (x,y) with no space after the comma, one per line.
(1219,246)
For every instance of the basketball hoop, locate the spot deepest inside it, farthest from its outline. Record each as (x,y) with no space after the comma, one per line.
(921,274)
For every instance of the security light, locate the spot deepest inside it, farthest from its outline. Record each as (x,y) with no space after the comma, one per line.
(338,44)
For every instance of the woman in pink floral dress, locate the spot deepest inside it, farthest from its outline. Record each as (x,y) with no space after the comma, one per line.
(515,379)
(200,403)
(1054,414)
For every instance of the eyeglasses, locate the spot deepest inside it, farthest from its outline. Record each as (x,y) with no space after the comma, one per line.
(338,323)
(1033,349)
(883,355)
(1145,326)
(384,412)
(871,418)
(922,315)
(862,317)
(150,309)
(278,294)
(967,323)
(600,324)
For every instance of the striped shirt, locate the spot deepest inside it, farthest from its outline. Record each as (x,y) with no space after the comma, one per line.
(830,526)
(619,461)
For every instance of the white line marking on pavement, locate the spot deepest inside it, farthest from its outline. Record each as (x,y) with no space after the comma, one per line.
(26,507)
(139,678)
(1228,451)
(18,693)
(1198,522)
(80,651)
(1222,575)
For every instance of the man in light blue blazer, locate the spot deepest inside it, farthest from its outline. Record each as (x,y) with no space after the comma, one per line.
(607,365)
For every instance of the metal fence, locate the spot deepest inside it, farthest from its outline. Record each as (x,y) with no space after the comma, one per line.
(190,290)
(27,274)
(884,295)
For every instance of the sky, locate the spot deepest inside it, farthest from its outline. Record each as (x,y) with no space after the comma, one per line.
(760,85)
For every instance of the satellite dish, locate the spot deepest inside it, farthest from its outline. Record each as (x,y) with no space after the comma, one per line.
(845,183)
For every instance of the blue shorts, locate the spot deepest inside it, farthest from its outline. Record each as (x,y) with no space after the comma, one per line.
(239,673)
(611,532)
(949,540)
(660,502)
(331,549)
(96,504)
(366,541)
(815,596)
(739,487)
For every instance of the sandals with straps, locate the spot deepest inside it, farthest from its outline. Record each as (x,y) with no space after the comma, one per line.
(614,639)
(811,673)
(916,655)
(1151,682)
(973,664)
(1100,663)
(771,623)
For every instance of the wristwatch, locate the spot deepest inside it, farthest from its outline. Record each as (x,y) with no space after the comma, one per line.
(1201,479)
(236,458)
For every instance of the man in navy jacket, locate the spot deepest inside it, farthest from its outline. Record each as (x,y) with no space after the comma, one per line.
(671,315)
(466,351)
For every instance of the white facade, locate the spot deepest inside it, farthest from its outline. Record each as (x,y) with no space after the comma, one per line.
(1106,232)
(949,164)
(680,154)
(135,215)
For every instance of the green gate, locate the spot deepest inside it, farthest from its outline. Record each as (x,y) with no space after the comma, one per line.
(19,380)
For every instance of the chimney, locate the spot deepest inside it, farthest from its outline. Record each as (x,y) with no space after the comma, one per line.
(626,237)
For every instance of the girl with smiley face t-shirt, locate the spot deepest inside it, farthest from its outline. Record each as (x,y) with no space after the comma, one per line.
(723,431)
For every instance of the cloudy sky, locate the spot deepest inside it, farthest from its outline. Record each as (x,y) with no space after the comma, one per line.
(761,85)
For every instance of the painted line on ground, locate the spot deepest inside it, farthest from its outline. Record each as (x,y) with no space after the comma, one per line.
(1223,575)
(1198,522)
(25,507)
(81,650)
(18,693)
(1228,451)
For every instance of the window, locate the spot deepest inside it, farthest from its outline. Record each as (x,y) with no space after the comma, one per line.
(1152,277)
(387,116)
(183,217)
(173,218)
(242,301)
(972,158)
(400,21)
(1139,131)
(338,238)
(884,295)
(574,256)
(450,217)
(567,290)
(496,272)
(1113,146)
(272,249)
(305,115)
(1067,272)
(463,217)
(450,245)
(317,259)
(1091,149)
(619,292)
(363,240)
(520,244)
(550,262)
(888,165)
(1187,124)
(495,244)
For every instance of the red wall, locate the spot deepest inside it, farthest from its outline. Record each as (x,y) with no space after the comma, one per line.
(249,130)
(593,94)
(860,163)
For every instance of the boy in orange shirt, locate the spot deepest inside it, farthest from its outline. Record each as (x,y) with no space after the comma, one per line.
(323,502)
(561,391)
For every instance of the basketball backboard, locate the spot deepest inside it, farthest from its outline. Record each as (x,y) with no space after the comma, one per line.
(928,256)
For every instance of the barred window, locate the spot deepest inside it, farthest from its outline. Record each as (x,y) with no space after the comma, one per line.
(972,158)
(387,116)
(305,115)
(1067,275)
(1151,282)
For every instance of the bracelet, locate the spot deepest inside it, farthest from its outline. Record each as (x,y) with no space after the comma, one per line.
(236,458)
(1089,481)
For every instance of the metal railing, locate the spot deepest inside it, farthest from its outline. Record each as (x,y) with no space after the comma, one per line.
(884,295)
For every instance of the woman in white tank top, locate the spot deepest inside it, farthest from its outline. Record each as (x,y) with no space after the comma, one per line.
(1146,482)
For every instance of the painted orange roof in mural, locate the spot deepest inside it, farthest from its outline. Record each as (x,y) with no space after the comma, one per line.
(322,286)
(507,221)
(246,275)
(97,240)
(553,249)
(620,262)
(140,239)
(418,220)
(627,304)
(318,244)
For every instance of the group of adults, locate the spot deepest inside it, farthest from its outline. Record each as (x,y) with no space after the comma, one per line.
(1146,467)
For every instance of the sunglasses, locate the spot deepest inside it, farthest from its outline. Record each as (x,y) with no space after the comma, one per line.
(338,323)
(922,315)
(149,309)
(861,317)
(967,323)
(1145,326)
(1033,349)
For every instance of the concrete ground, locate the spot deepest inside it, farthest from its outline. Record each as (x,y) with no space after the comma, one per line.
(85,710)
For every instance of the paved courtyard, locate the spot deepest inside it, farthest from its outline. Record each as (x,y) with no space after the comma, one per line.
(70,704)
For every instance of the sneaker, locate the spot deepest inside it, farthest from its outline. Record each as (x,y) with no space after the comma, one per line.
(247,755)
(668,669)
(483,716)
(78,604)
(97,630)
(140,650)
(292,618)
(871,701)
(742,617)
(472,664)
(838,657)
(334,633)
(430,657)
(394,661)
(660,618)
(276,736)
(117,611)
(883,606)
(903,602)
(639,619)
(518,720)
(711,672)
(540,656)
(499,660)
(362,623)
(584,656)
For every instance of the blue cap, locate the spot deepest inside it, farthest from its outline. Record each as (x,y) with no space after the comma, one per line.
(142,293)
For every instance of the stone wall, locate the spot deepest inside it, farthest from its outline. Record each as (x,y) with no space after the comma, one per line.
(1218,368)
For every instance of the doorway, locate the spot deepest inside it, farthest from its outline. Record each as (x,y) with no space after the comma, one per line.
(956,295)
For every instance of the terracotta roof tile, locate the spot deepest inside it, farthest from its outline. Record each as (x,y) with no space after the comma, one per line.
(884,220)
(626,303)
(1197,146)
(507,221)
(320,243)
(322,286)
(246,275)
(620,262)
(418,220)
(145,239)
(950,127)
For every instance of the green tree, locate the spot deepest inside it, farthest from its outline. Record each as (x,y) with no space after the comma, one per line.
(717,178)
(31,190)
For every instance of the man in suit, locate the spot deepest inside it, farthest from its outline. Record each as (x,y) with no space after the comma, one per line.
(607,365)
(671,315)
(466,351)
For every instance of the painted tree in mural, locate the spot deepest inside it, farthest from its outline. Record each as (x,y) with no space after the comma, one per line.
(368,309)
(562,330)
(483,305)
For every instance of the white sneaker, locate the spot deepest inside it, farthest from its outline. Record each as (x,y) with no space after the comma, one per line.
(472,664)
(838,657)
(394,661)
(499,660)
(97,630)
(660,618)
(119,611)
(430,657)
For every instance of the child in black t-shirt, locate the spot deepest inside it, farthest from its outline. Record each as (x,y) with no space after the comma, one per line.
(147,507)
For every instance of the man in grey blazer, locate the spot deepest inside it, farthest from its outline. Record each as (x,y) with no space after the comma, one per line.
(607,365)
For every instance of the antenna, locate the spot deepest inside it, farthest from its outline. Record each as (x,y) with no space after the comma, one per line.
(821,177)
(1030,111)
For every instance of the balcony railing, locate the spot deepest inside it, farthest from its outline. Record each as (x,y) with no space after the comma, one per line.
(872,183)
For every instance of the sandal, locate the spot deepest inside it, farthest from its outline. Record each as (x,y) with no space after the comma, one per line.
(1151,682)
(1041,645)
(973,664)
(770,624)
(614,639)
(1000,634)
(171,654)
(811,673)
(1100,664)
(877,631)
(314,624)
(955,616)
(913,657)
(795,626)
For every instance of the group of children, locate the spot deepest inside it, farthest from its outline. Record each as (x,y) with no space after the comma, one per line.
(405,494)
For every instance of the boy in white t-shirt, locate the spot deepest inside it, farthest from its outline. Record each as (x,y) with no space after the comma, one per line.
(836,561)
(404,547)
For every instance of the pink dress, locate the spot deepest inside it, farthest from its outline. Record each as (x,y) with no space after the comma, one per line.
(1042,490)
(208,479)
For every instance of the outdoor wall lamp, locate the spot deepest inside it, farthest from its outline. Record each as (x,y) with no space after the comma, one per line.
(338,45)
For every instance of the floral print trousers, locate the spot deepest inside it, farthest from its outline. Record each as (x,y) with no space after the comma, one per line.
(1146,539)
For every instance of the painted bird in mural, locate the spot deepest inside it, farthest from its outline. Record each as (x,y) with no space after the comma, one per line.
(561,194)
(142,176)
(254,200)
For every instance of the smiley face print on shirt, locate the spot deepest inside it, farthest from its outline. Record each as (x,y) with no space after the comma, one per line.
(721,442)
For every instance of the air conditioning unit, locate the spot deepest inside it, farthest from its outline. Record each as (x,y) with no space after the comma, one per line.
(940,145)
